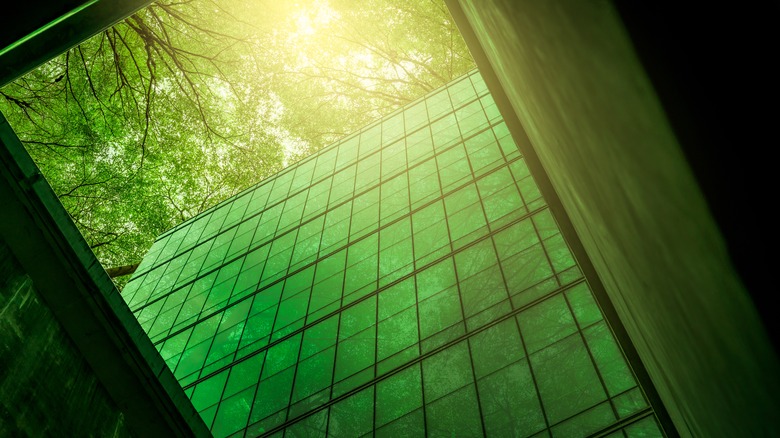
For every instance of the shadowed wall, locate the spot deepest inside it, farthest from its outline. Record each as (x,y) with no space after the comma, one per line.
(601,134)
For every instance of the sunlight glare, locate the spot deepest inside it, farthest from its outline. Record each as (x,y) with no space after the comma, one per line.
(311,18)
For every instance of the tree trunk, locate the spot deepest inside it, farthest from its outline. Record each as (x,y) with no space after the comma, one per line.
(120,271)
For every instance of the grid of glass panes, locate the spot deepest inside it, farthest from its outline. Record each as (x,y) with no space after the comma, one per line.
(407,280)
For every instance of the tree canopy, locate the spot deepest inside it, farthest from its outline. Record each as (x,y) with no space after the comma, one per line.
(188,102)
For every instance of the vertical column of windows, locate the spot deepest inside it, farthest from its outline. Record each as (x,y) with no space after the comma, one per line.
(409,279)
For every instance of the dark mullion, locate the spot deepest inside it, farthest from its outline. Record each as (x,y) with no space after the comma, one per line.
(308,303)
(236,361)
(213,339)
(621,424)
(311,292)
(531,368)
(254,397)
(224,387)
(184,349)
(610,399)
(151,299)
(227,306)
(200,377)
(270,344)
(379,263)
(188,327)
(539,236)
(313,156)
(451,253)
(338,311)
(262,367)
(421,358)
(387,286)
(295,372)
(346,245)
(517,131)
(503,276)
(181,269)
(242,299)
(493,125)
(457,277)
(517,324)
(501,269)
(302,223)
(191,325)
(324,213)
(184,301)
(415,269)
(333,174)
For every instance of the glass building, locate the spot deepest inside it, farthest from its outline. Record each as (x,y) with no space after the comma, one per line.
(408,280)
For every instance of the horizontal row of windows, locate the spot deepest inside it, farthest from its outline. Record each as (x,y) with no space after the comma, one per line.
(549,366)
(348,217)
(437,107)
(489,278)
(483,149)
(384,255)
(409,280)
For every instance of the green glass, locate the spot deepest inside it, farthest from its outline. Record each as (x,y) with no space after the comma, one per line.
(408,280)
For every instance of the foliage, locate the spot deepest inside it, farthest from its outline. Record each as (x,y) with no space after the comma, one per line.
(188,102)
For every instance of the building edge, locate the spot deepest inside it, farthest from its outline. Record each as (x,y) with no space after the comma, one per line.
(708,355)
(559,213)
(83,298)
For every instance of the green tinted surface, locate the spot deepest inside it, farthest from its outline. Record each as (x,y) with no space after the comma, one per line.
(398,395)
(408,280)
(506,393)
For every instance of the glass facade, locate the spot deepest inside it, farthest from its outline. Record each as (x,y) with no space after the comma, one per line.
(408,280)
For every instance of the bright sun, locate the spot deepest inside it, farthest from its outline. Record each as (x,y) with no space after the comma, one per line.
(313,17)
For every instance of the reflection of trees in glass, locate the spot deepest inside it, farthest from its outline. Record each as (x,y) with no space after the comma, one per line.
(185,103)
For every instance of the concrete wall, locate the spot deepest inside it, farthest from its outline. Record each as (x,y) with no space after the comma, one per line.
(594,120)
(78,293)
(47,388)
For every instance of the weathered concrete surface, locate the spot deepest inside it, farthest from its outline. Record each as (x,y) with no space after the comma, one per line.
(82,298)
(601,134)
(47,388)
